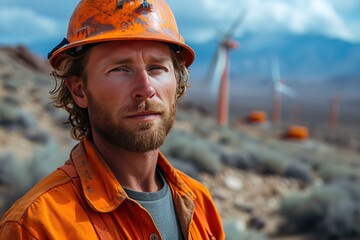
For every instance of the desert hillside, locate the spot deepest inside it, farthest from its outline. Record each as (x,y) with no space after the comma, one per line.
(265,186)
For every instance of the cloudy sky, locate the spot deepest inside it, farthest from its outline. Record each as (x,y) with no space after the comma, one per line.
(31,22)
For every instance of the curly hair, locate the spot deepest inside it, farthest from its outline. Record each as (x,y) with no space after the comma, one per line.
(75,66)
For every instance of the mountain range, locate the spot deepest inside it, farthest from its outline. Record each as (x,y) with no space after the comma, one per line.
(301,57)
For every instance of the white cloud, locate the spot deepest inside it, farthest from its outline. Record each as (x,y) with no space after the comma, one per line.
(346,5)
(334,18)
(55,9)
(21,25)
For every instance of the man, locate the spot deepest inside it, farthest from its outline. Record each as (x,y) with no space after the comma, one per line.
(120,73)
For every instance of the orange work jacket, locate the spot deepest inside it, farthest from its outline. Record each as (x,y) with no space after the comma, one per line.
(84,200)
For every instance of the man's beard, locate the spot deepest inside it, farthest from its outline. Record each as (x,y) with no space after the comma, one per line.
(145,137)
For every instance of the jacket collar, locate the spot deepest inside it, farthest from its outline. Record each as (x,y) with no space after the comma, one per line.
(101,189)
(172,176)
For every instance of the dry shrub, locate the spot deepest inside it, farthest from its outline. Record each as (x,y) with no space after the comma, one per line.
(197,151)
(330,211)
(185,167)
(235,231)
(299,171)
(13,117)
(18,176)
(334,171)
(230,138)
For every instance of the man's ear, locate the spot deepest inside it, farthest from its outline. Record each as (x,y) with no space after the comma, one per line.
(76,88)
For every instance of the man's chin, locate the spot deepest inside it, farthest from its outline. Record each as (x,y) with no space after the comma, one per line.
(147,126)
(145,130)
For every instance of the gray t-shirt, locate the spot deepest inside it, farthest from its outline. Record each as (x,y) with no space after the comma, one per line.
(161,208)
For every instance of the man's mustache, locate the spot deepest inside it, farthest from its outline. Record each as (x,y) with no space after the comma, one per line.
(141,106)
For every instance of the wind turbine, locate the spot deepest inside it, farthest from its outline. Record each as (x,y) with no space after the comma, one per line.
(279,88)
(220,74)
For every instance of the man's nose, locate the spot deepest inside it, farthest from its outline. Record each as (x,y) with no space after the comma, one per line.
(143,88)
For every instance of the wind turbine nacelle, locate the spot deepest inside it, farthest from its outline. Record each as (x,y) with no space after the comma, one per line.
(231,44)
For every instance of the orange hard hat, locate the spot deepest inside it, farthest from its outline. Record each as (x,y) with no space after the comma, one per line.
(95,21)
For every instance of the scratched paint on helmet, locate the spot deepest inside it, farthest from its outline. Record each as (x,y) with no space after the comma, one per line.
(109,20)
(94,27)
(100,6)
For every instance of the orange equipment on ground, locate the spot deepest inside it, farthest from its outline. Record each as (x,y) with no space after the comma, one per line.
(257,117)
(296,132)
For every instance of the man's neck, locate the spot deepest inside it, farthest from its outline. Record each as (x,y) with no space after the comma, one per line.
(135,171)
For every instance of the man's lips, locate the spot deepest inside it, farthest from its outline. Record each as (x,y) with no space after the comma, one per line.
(144,115)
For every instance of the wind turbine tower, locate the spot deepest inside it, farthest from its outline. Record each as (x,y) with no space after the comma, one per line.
(279,88)
(220,76)
(223,97)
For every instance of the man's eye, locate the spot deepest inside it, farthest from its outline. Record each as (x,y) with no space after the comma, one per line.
(118,69)
(158,69)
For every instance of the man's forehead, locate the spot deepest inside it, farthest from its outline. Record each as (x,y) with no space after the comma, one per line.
(134,45)
(127,50)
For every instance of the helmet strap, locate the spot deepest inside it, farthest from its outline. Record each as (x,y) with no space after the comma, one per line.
(175,48)
(64,42)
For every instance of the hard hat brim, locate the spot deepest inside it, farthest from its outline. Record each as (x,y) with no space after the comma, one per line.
(187,54)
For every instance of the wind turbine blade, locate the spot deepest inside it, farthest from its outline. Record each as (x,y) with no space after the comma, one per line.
(238,21)
(218,71)
(276,77)
(210,73)
(279,86)
(287,90)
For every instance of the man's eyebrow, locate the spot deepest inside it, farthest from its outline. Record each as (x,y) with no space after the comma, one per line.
(156,59)
(118,60)
(160,58)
